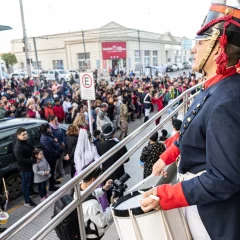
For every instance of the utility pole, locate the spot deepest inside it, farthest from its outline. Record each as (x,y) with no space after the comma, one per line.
(25,40)
(139,49)
(35,49)
(84,47)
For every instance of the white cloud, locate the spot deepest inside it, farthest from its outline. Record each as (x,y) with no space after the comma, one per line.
(181,18)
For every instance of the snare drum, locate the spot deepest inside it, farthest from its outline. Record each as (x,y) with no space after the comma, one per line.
(132,223)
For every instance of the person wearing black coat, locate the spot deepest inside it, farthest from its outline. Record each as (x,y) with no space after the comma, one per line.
(103,147)
(71,143)
(51,151)
(22,151)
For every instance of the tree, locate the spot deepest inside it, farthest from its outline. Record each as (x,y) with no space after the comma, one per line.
(9,59)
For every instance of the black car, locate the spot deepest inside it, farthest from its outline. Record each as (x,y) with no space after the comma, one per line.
(172,68)
(8,165)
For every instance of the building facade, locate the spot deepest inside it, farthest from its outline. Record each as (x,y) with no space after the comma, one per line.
(103,48)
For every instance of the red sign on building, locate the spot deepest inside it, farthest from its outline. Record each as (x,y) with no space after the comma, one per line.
(114,50)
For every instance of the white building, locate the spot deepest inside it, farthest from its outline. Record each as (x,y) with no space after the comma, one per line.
(105,48)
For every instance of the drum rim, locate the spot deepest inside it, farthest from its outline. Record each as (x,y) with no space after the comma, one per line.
(124,212)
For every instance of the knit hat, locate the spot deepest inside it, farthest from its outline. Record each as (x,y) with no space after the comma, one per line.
(108,130)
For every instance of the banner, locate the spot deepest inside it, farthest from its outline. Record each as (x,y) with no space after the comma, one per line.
(114,50)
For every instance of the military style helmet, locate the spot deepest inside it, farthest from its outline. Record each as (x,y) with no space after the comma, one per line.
(221,24)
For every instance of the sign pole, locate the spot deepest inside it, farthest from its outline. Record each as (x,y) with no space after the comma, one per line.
(87,87)
(90,117)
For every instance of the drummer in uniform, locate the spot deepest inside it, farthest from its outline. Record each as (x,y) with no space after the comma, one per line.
(147,97)
(209,137)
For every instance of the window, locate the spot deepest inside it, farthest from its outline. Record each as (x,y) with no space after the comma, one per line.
(34,65)
(57,64)
(147,58)
(5,145)
(137,56)
(155,58)
(34,136)
(81,59)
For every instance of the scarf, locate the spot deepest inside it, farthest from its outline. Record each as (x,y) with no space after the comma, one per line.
(54,126)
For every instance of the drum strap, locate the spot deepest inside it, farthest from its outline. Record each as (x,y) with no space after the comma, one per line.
(166,226)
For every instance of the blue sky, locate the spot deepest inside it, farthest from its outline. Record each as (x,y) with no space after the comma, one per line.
(181,18)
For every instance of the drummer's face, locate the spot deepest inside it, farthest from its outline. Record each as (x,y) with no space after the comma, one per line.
(198,52)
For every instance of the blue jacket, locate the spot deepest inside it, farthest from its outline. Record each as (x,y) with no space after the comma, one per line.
(51,149)
(59,134)
(210,140)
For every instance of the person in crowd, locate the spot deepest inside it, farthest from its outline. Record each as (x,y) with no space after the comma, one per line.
(71,143)
(102,117)
(147,97)
(58,110)
(97,137)
(51,151)
(95,218)
(80,121)
(85,151)
(48,110)
(68,116)
(66,104)
(41,170)
(165,135)
(60,136)
(110,141)
(2,110)
(150,154)
(22,150)
(124,115)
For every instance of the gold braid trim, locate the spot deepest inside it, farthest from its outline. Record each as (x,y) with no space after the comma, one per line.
(211,44)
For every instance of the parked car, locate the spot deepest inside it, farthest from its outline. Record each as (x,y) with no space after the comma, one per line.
(17,76)
(172,68)
(179,66)
(187,65)
(8,164)
(50,75)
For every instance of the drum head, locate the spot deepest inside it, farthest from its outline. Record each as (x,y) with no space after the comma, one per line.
(130,201)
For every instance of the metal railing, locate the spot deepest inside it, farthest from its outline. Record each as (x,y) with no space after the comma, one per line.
(74,183)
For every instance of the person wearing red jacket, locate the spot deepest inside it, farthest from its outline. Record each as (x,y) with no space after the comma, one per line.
(58,111)
(209,166)
(158,100)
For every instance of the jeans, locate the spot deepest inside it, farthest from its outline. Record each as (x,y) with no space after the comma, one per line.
(59,171)
(52,164)
(42,189)
(26,185)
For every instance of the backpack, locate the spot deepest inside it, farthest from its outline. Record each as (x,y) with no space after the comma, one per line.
(68,229)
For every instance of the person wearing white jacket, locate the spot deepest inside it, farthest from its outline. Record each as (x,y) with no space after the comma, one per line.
(95,218)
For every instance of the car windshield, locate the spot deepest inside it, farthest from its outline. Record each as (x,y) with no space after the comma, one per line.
(62,72)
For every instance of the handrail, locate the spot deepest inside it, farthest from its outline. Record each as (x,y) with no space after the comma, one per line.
(19,225)
(51,225)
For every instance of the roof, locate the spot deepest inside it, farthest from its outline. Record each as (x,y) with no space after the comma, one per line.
(4,28)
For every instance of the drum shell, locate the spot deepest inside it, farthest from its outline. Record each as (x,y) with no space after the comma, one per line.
(164,225)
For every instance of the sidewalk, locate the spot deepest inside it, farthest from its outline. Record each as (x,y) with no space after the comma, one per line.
(17,210)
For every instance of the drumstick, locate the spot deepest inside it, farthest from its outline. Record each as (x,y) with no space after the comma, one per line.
(140,183)
(151,196)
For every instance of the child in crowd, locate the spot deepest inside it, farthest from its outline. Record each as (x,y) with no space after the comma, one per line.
(41,170)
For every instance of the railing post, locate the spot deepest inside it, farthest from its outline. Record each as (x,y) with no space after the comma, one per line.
(80,214)
(185,106)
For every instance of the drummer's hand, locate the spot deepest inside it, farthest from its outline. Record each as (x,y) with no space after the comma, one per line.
(148,203)
(108,184)
(158,168)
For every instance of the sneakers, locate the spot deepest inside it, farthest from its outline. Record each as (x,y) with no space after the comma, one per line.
(42,199)
(57,182)
(46,196)
(30,204)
